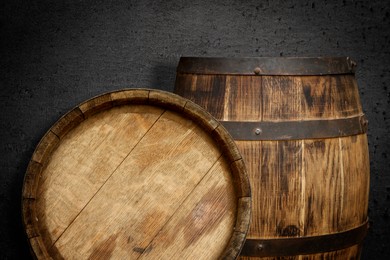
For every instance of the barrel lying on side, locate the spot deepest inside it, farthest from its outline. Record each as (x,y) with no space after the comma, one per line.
(299,125)
(136,174)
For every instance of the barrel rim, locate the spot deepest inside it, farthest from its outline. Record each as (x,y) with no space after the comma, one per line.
(153,97)
(273,66)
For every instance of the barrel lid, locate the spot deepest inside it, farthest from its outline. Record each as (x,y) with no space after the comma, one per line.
(136,173)
(267,65)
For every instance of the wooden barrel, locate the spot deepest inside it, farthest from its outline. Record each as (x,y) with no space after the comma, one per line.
(136,174)
(299,125)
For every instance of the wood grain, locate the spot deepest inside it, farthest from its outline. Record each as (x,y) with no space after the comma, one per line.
(45,147)
(280,100)
(212,90)
(306,187)
(242,99)
(323,189)
(187,230)
(275,176)
(133,174)
(88,156)
(143,192)
(349,253)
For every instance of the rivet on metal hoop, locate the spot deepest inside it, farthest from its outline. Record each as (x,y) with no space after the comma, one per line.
(258,131)
(260,247)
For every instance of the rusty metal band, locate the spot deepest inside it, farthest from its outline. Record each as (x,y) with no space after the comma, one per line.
(304,245)
(290,130)
(267,66)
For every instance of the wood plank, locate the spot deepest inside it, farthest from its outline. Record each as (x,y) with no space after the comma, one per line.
(284,178)
(143,193)
(310,97)
(330,97)
(209,93)
(96,104)
(355,162)
(206,216)
(337,184)
(45,148)
(30,218)
(130,96)
(185,83)
(199,115)
(317,97)
(167,100)
(324,186)
(243,101)
(31,180)
(82,163)
(275,177)
(348,253)
(282,98)
(251,153)
(240,178)
(36,242)
(345,96)
(67,122)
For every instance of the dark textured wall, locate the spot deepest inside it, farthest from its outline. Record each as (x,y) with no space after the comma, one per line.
(56,54)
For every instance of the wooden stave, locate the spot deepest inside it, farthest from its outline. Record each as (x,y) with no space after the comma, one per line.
(215,83)
(153,97)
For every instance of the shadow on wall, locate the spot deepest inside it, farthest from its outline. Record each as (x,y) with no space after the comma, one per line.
(164,76)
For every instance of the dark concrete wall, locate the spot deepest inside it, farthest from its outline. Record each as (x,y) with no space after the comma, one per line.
(56,54)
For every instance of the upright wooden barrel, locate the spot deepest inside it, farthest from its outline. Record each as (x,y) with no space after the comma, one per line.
(299,125)
(136,174)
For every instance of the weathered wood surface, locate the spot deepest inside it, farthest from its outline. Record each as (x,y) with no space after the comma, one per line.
(302,187)
(132,175)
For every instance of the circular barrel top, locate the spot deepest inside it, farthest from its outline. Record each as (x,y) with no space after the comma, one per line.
(267,65)
(136,174)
